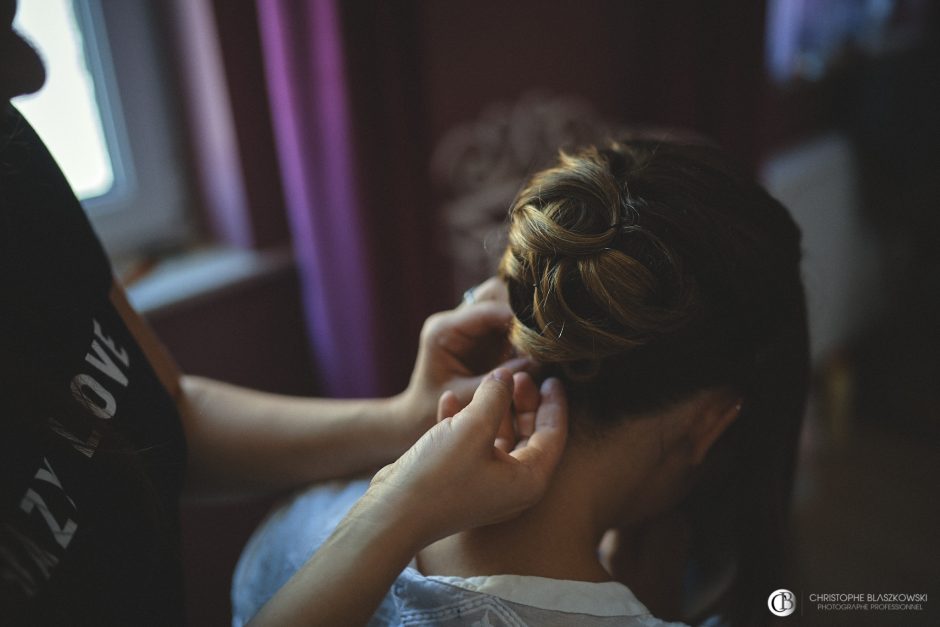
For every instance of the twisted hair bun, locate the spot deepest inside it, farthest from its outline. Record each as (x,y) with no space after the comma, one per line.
(646,270)
(587,279)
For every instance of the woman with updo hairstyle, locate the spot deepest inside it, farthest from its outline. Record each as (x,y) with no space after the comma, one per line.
(663,286)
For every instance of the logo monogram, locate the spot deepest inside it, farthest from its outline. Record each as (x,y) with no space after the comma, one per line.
(781,602)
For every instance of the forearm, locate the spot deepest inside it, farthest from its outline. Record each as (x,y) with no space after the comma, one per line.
(243,441)
(346,579)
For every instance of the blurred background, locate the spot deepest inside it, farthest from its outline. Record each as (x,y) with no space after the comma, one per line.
(288,188)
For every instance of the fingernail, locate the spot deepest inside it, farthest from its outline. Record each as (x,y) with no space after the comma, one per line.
(552,387)
(502,374)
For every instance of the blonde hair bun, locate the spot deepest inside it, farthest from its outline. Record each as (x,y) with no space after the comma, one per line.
(587,279)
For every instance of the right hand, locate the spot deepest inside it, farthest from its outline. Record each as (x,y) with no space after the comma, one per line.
(456,349)
(456,478)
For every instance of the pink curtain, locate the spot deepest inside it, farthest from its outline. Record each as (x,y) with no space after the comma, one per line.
(307,87)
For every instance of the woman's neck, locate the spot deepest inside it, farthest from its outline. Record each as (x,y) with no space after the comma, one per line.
(557,538)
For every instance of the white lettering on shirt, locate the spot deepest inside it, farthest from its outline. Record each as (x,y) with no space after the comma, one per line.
(86,447)
(62,533)
(91,394)
(103,362)
(101,404)
(38,554)
(120,353)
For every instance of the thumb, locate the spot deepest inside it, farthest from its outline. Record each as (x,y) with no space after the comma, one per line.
(490,404)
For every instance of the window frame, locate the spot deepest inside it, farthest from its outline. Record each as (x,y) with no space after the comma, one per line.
(149,206)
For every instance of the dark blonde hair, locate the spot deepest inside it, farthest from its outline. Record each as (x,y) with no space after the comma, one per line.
(647,270)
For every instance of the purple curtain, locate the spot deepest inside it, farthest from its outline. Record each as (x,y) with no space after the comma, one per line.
(307,87)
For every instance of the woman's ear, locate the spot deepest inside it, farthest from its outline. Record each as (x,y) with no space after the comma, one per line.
(715,415)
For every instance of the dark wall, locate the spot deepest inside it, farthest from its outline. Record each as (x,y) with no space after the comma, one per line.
(249,334)
(418,69)
(681,63)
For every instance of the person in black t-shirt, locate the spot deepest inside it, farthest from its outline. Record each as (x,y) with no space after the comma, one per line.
(100,433)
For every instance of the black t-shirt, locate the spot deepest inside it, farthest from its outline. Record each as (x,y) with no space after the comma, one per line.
(92,453)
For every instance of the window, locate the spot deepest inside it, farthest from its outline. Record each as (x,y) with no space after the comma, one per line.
(105,116)
(806,39)
(67,111)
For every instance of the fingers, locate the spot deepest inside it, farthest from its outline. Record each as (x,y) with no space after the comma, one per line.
(520,364)
(478,320)
(491,289)
(471,340)
(466,386)
(525,400)
(544,448)
(448,405)
(496,485)
(489,407)
(552,414)
(506,435)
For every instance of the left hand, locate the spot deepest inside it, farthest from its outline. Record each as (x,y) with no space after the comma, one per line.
(459,475)
(456,349)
